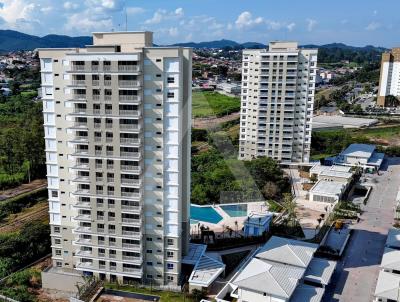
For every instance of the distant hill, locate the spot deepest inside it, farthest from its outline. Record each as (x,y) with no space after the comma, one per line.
(11,40)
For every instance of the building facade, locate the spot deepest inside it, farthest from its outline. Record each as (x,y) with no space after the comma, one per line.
(117,130)
(277,100)
(389,81)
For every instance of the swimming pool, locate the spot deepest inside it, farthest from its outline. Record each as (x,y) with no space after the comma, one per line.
(235,210)
(206,214)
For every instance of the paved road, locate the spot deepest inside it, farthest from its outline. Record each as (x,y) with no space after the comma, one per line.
(356,275)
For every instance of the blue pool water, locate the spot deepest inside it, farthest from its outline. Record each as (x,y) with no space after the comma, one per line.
(235,210)
(206,214)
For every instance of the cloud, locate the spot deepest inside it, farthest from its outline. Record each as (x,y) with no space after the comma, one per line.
(46,9)
(70,5)
(373,26)
(246,20)
(311,23)
(105,5)
(163,15)
(87,21)
(173,32)
(375,12)
(291,26)
(135,10)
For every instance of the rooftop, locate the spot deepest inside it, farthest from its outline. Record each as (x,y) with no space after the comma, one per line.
(320,271)
(269,277)
(391,259)
(194,254)
(307,293)
(359,150)
(288,251)
(344,121)
(325,187)
(387,286)
(206,271)
(258,218)
(393,238)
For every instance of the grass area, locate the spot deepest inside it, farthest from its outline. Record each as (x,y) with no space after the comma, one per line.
(166,296)
(379,132)
(319,156)
(207,104)
(29,93)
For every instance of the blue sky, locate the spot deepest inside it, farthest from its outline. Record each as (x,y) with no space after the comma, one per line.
(354,22)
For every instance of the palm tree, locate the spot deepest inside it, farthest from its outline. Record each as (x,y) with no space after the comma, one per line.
(289,204)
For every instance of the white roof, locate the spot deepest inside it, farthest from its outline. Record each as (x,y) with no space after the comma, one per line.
(206,271)
(318,168)
(338,174)
(391,259)
(393,238)
(346,122)
(307,293)
(288,251)
(269,277)
(324,187)
(258,218)
(320,271)
(387,286)
(359,150)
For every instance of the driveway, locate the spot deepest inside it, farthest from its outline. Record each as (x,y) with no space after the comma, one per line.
(357,272)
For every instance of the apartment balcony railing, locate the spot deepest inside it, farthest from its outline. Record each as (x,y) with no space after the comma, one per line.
(101,231)
(80,124)
(130,141)
(96,111)
(129,68)
(130,168)
(129,126)
(82,229)
(96,97)
(102,255)
(84,265)
(131,246)
(97,138)
(83,217)
(97,125)
(110,166)
(130,154)
(95,83)
(107,82)
(78,67)
(78,82)
(99,178)
(83,253)
(99,166)
(83,241)
(98,152)
(109,153)
(132,270)
(81,138)
(112,256)
(131,233)
(129,112)
(81,178)
(99,192)
(109,125)
(128,181)
(129,98)
(128,83)
(110,179)
(79,96)
(107,98)
(131,220)
(102,266)
(112,243)
(108,111)
(132,258)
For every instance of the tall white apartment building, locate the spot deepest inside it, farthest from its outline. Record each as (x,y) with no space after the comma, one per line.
(117,119)
(278,87)
(389,82)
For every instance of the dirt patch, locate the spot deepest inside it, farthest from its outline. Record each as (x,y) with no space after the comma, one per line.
(112,298)
(211,122)
(24,188)
(307,186)
(304,174)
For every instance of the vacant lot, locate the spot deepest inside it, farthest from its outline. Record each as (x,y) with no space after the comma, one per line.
(209,104)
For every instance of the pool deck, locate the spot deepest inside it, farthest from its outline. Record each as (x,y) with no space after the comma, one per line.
(228,221)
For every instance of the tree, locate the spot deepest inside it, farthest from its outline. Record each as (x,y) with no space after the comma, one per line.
(391,101)
(289,204)
(270,190)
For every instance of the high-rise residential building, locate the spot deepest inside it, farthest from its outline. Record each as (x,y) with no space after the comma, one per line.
(389,82)
(117,119)
(278,87)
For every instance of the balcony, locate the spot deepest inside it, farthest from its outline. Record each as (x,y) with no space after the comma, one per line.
(125,208)
(96,111)
(83,253)
(79,96)
(128,68)
(128,181)
(130,168)
(131,246)
(132,127)
(131,220)
(107,82)
(128,83)
(95,83)
(132,258)
(132,270)
(129,98)
(107,98)
(81,124)
(131,233)
(78,82)
(83,241)
(83,217)
(84,265)
(78,67)
(82,229)
(129,112)
(130,154)
(130,141)
(82,191)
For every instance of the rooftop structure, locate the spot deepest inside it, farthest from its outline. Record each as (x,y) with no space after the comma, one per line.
(327,191)
(391,260)
(387,287)
(278,270)
(393,238)
(364,156)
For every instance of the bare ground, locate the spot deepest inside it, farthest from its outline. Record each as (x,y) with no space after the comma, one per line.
(24,188)
(211,122)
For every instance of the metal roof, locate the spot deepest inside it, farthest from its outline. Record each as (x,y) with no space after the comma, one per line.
(387,286)
(320,271)
(359,150)
(288,251)
(307,293)
(393,238)
(391,259)
(324,187)
(206,271)
(194,254)
(270,277)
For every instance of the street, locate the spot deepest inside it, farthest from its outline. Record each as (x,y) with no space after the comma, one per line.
(357,272)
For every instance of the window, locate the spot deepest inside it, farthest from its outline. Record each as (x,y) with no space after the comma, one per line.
(149,263)
(170,266)
(58,252)
(171,80)
(170,278)
(54,194)
(56,229)
(170,254)
(59,264)
(171,95)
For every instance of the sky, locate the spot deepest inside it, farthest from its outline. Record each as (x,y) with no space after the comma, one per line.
(353,22)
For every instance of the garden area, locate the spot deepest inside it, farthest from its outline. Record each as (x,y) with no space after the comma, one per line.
(208,104)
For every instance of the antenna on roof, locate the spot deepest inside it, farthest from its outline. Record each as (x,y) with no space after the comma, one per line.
(126,19)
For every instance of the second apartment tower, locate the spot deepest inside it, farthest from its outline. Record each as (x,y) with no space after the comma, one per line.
(277,101)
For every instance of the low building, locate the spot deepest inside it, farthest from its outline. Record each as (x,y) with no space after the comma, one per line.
(388,285)
(331,173)
(364,156)
(229,88)
(282,270)
(327,191)
(257,223)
